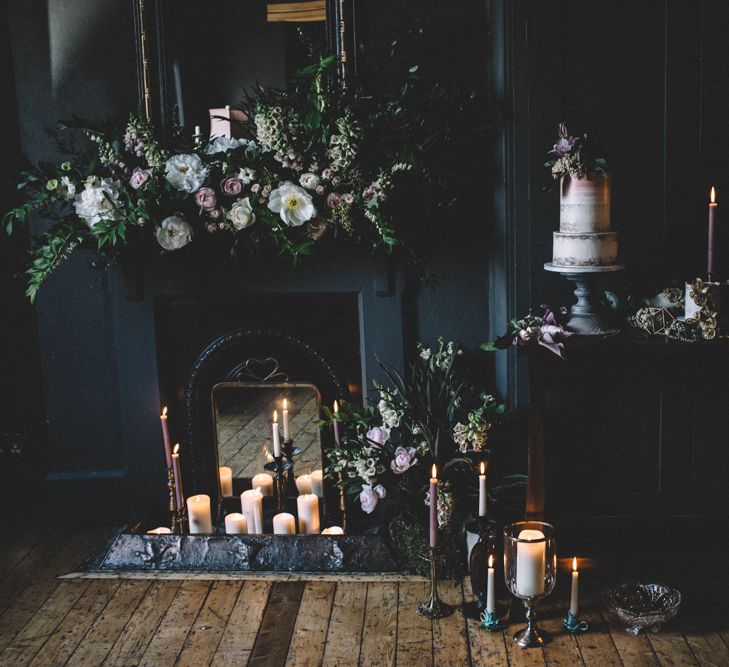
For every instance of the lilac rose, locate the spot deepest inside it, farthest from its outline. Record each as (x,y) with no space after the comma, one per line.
(369,497)
(378,435)
(139,177)
(205,198)
(231,186)
(404,460)
(334,199)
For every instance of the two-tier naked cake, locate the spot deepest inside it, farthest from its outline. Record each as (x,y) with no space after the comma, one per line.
(584,238)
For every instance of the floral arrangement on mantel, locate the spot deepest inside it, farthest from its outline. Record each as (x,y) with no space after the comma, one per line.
(547,330)
(317,163)
(432,415)
(574,156)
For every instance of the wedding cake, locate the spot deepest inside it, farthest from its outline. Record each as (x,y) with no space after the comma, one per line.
(584,238)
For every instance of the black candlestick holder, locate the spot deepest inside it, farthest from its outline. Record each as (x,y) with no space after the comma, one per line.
(280,481)
(173,498)
(434,607)
(478,564)
(290,451)
(179,526)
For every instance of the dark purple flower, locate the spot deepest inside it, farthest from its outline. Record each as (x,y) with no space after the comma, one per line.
(205,198)
(334,199)
(231,186)
(563,147)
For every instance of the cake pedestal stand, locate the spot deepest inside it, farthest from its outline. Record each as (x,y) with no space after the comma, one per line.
(588,316)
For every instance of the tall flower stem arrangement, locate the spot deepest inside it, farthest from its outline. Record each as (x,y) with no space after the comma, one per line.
(430,415)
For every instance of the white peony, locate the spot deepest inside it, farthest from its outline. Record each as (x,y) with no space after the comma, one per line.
(174,233)
(67,188)
(186,172)
(246,175)
(224,144)
(99,200)
(241,214)
(292,203)
(309,181)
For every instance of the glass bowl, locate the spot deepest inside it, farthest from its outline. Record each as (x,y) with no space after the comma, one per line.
(640,606)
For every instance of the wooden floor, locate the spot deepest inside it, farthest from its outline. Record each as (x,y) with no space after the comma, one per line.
(45,621)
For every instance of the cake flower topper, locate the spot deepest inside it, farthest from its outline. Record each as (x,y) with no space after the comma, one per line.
(574,156)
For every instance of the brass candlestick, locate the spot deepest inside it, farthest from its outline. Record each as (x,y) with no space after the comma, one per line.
(434,607)
(173,498)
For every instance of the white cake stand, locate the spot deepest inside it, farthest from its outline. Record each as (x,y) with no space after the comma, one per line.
(588,316)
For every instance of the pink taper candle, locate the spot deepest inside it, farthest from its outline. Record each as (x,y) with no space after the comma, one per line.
(336,423)
(166,437)
(710,268)
(177,471)
(433,500)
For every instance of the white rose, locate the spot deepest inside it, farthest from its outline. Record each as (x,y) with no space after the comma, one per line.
(99,200)
(174,233)
(292,203)
(309,181)
(241,214)
(186,173)
(246,175)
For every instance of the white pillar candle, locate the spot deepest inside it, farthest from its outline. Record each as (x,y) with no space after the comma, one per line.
(264,483)
(530,563)
(317,483)
(251,503)
(490,588)
(284,524)
(274,432)
(236,524)
(198,514)
(332,530)
(303,483)
(574,597)
(226,480)
(307,506)
(286,433)
(482,491)
(162,530)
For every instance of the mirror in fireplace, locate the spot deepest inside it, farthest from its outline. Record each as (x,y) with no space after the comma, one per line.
(243,417)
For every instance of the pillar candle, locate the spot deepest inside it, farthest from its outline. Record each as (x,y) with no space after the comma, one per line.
(336,423)
(198,514)
(433,501)
(286,434)
(274,432)
(490,588)
(264,483)
(482,491)
(166,437)
(307,506)
(574,597)
(162,530)
(251,503)
(236,524)
(226,480)
(177,474)
(284,524)
(332,530)
(710,267)
(317,483)
(530,563)
(303,483)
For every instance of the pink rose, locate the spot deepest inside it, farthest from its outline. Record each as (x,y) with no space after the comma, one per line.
(404,460)
(369,497)
(231,186)
(348,198)
(205,198)
(139,177)
(378,435)
(255,187)
(320,189)
(214,213)
(334,199)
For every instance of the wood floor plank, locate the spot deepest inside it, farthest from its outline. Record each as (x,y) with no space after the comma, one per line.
(41,626)
(68,635)
(562,648)
(344,636)
(671,649)
(16,548)
(202,641)
(97,643)
(277,625)
(450,635)
(310,632)
(596,645)
(175,625)
(633,651)
(487,648)
(379,635)
(414,633)
(240,633)
(137,633)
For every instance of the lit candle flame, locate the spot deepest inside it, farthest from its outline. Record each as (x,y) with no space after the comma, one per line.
(275,416)
(164,412)
(483,468)
(713,195)
(176,450)
(491,561)
(434,472)
(574,564)
(286,405)
(336,408)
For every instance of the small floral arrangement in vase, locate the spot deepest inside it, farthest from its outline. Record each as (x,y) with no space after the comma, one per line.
(432,415)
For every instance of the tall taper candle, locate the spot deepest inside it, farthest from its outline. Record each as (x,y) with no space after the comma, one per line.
(490,588)
(433,501)
(286,434)
(482,491)
(336,423)
(274,432)
(574,597)
(710,266)
(166,437)
(177,473)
